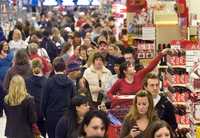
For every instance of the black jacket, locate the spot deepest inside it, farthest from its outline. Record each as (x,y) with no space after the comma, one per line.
(50,47)
(20,119)
(67,126)
(57,95)
(165,111)
(34,85)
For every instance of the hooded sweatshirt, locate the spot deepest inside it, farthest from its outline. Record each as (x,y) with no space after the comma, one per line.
(34,86)
(57,95)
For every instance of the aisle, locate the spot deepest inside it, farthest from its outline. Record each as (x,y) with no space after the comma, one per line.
(2,126)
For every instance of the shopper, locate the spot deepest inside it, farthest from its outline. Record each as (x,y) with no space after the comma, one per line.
(94,124)
(130,81)
(6,58)
(35,85)
(21,66)
(32,50)
(69,124)
(163,106)
(140,116)
(49,46)
(159,129)
(97,76)
(74,73)
(17,42)
(20,111)
(57,95)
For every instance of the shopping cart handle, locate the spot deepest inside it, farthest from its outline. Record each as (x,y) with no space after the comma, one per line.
(123,97)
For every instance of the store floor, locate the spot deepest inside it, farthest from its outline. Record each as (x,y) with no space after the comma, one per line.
(2,126)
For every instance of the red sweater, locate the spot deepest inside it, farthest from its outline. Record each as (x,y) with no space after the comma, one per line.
(121,87)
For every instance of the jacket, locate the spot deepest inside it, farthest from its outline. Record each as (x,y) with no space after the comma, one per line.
(67,126)
(20,119)
(57,95)
(34,86)
(165,111)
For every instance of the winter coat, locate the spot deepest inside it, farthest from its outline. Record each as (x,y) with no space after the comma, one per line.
(20,119)
(57,95)
(34,86)
(67,126)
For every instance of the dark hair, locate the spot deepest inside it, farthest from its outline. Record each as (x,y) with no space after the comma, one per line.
(77,34)
(59,64)
(89,116)
(149,76)
(155,126)
(129,50)
(79,100)
(2,44)
(98,55)
(21,57)
(122,68)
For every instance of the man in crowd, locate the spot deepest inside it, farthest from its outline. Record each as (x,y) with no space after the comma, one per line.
(162,105)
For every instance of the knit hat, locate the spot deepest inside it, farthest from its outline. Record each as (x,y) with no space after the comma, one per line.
(73,67)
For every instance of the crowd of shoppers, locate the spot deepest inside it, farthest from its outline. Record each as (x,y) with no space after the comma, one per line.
(57,72)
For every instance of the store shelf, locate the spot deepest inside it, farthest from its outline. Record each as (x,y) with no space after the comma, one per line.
(162,67)
(179,103)
(178,85)
(176,66)
(143,38)
(183,126)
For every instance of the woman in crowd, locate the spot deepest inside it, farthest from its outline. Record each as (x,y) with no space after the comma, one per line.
(159,129)
(20,66)
(35,86)
(97,76)
(5,59)
(20,111)
(68,125)
(94,124)
(131,81)
(140,116)
(17,42)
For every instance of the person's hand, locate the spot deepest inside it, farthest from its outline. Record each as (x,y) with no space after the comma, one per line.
(134,132)
(166,51)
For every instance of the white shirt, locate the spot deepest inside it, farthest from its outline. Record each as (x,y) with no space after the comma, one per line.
(156,100)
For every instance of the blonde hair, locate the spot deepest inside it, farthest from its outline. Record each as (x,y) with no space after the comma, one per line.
(133,113)
(17,35)
(17,91)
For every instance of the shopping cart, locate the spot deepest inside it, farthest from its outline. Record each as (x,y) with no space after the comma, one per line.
(119,108)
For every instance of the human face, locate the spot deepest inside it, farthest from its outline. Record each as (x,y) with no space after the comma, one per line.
(90,51)
(142,105)
(162,133)
(116,68)
(82,109)
(95,128)
(98,63)
(130,70)
(129,57)
(103,47)
(5,47)
(111,50)
(153,86)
